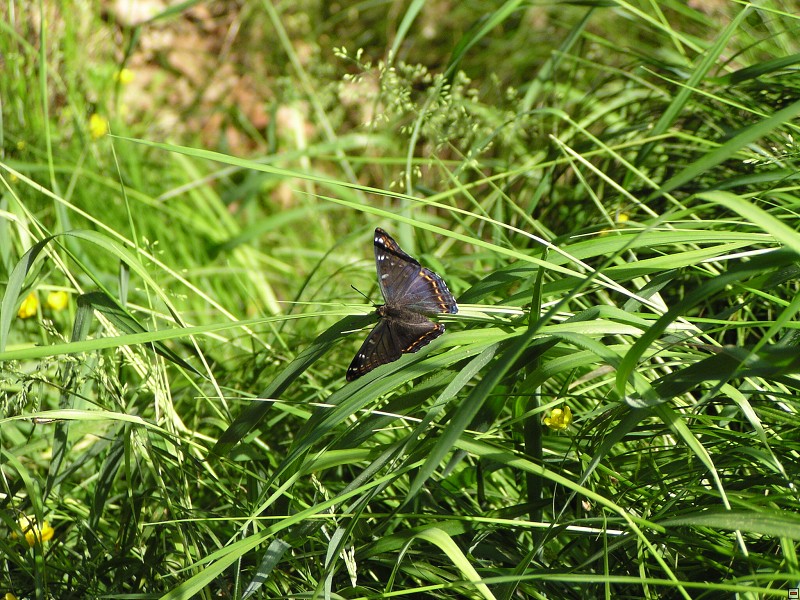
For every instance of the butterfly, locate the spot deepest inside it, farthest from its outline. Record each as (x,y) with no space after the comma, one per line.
(410,292)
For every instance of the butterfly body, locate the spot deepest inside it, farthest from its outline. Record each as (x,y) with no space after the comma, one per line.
(400,314)
(411,293)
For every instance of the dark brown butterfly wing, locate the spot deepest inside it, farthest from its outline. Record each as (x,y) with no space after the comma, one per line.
(407,284)
(389,340)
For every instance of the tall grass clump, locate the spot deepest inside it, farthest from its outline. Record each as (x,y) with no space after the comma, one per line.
(610,189)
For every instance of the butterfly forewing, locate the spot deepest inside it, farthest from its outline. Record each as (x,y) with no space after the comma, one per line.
(374,352)
(411,291)
(405,283)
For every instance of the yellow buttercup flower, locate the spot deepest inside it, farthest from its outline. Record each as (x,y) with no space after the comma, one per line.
(58,300)
(98,126)
(28,307)
(124,76)
(33,532)
(559,419)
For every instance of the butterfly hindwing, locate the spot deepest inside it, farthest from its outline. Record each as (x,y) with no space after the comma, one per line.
(411,336)
(389,340)
(405,283)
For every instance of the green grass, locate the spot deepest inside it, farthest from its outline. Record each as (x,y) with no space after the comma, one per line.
(610,189)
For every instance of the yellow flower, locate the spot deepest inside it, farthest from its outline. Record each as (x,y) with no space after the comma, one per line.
(57,300)
(21,145)
(124,76)
(33,532)
(98,126)
(559,419)
(9,596)
(28,307)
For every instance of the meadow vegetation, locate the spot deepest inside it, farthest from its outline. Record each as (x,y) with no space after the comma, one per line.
(188,193)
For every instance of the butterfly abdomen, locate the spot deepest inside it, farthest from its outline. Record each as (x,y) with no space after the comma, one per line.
(400,314)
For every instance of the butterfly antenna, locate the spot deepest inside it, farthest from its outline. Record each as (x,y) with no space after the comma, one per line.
(363,294)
